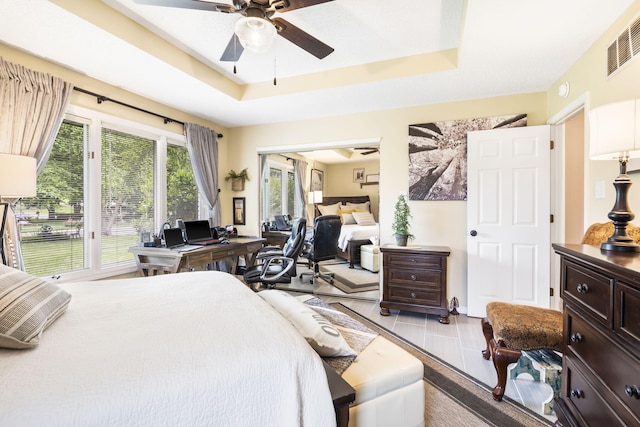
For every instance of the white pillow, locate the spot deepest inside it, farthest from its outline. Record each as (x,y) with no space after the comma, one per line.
(366,206)
(347,219)
(330,209)
(321,334)
(364,218)
(28,306)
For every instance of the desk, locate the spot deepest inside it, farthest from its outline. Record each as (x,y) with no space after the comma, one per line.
(276,238)
(170,261)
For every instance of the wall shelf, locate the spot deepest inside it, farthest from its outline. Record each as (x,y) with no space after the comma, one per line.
(368,183)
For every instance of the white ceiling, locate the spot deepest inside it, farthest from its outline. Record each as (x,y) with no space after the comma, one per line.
(388,54)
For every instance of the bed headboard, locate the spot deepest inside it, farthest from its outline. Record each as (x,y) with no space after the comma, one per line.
(341,199)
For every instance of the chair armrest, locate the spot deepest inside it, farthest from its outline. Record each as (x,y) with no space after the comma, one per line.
(288,264)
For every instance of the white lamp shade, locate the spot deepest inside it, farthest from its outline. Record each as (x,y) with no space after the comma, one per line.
(614,129)
(255,34)
(315,196)
(17,176)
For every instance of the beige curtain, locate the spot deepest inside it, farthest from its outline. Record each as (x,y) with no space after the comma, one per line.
(32,106)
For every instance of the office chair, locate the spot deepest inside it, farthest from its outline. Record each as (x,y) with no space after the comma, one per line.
(323,246)
(278,265)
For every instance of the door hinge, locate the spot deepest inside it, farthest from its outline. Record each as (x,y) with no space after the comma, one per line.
(551,144)
(551,218)
(550,292)
(93,235)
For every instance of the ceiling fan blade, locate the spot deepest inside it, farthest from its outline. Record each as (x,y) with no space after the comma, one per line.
(286,5)
(233,50)
(365,153)
(302,39)
(190,4)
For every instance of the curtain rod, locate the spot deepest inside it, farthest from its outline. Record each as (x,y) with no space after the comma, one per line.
(101,98)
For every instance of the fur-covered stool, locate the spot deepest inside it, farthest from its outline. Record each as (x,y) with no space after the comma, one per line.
(511,328)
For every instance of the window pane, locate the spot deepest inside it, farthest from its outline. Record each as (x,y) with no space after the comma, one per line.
(51,224)
(291,206)
(275,192)
(182,191)
(127,193)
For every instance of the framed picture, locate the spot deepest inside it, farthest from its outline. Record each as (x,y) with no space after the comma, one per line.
(239,213)
(317,180)
(373,178)
(358,174)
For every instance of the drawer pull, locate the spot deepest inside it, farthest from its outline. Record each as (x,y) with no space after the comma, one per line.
(578,394)
(632,391)
(577,337)
(413,295)
(582,288)
(413,277)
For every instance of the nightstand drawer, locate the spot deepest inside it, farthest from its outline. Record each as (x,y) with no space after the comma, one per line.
(590,290)
(414,295)
(627,319)
(413,277)
(415,261)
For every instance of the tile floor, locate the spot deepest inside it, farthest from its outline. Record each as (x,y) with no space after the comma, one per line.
(459,343)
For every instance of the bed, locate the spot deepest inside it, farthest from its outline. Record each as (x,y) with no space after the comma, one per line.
(352,236)
(196,348)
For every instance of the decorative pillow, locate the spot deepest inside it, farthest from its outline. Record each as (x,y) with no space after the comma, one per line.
(364,218)
(346,217)
(366,206)
(330,209)
(321,334)
(28,306)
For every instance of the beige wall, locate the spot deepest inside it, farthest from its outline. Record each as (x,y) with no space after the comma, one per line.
(338,180)
(574,179)
(434,223)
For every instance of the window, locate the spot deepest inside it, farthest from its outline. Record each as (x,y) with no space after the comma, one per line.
(103,188)
(52,223)
(280,197)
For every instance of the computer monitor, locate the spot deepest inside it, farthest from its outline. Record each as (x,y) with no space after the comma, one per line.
(197,230)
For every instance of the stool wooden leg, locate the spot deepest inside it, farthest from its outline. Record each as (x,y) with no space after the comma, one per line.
(487,330)
(502,357)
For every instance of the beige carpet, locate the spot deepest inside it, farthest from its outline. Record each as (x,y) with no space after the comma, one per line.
(350,280)
(454,398)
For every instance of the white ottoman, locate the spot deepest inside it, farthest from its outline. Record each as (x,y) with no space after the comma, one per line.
(370,257)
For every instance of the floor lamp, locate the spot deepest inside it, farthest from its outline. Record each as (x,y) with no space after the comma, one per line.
(17,179)
(615,134)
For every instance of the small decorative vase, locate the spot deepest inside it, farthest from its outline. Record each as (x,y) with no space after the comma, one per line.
(401,239)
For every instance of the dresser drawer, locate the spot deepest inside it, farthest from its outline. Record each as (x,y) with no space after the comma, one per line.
(420,296)
(589,290)
(582,396)
(616,369)
(415,261)
(627,315)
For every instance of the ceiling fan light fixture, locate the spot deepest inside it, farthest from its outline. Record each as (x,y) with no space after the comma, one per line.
(255,34)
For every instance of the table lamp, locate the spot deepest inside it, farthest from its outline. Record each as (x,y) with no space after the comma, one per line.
(615,134)
(315,197)
(17,179)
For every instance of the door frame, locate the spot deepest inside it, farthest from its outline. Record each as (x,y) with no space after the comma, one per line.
(557,123)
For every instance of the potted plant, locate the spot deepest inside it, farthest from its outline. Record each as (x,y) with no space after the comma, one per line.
(237,179)
(400,223)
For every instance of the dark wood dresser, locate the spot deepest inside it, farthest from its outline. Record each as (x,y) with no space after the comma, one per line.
(601,349)
(415,279)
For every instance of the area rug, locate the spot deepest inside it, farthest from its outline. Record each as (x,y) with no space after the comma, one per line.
(350,280)
(452,397)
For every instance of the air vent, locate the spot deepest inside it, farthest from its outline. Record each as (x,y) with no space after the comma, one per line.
(624,48)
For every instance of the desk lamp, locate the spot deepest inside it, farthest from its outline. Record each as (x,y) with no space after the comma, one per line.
(17,179)
(615,134)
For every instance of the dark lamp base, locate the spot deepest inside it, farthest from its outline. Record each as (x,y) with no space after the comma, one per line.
(620,247)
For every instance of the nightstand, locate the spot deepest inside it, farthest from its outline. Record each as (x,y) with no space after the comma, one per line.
(415,279)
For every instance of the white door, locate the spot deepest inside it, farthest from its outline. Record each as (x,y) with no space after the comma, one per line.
(508,217)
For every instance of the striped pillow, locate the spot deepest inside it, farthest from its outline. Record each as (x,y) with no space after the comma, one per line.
(364,218)
(28,305)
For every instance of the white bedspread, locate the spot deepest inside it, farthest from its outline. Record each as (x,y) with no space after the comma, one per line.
(188,349)
(356,232)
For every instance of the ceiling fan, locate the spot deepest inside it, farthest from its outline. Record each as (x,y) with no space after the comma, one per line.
(370,150)
(263,10)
